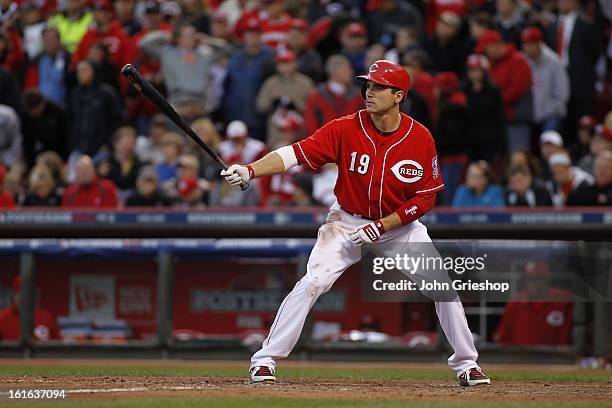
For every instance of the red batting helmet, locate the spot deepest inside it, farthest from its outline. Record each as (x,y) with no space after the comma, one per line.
(387,73)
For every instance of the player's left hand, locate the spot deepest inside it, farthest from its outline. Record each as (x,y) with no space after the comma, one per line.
(368,233)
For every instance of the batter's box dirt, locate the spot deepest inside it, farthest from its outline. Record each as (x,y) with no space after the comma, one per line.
(431,390)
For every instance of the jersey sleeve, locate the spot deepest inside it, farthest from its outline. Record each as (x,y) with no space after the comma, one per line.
(321,147)
(432,177)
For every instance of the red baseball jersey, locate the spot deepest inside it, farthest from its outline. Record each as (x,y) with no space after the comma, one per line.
(378,173)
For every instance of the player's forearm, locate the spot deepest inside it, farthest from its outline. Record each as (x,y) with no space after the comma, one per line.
(391,221)
(416,207)
(275,162)
(268,165)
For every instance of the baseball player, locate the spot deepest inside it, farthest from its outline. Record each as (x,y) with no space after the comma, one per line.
(388,177)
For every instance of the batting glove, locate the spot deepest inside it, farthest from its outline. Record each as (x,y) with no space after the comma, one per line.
(237,174)
(367,234)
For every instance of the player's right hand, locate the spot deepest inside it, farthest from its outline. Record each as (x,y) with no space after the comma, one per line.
(236,174)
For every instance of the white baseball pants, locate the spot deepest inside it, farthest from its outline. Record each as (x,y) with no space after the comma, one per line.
(332,254)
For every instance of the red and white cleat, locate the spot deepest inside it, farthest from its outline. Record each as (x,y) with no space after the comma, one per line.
(472,377)
(261,374)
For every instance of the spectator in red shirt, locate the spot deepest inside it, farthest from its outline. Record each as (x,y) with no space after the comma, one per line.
(510,71)
(275,23)
(89,190)
(539,314)
(106,30)
(45,325)
(335,98)
(6,199)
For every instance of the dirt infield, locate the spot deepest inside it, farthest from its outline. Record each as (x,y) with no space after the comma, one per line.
(102,387)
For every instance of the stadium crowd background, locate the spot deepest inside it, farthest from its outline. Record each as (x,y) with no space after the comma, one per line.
(517,94)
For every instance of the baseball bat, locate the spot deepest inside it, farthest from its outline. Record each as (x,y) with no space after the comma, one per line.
(163,105)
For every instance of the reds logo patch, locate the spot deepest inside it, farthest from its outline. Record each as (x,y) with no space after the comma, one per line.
(407,171)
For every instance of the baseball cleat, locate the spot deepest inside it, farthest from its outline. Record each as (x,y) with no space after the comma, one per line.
(472,377)
(261,374)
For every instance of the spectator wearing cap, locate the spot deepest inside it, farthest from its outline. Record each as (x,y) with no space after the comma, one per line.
(510,21)
(577,40)
(600,193)
(602,140)
(447,49)
(449,131)
(124,12)
(171,12)
(479,189)
(10,137)
(49,70)
(248,68)
(274,21)
(107,30)
(185,65)
(276,24)
(281,94)
(337,97)
(147,192)
(187,189)
(88,190)
(486,123)
(539,314)
(566,177)
(6,199)
(189,193)
(418,63)
(44,128)
(524,191)
(510,71)
(235,9)
(124,163)
(41,189)
(94,111)
(72,23)
(551,142)
(389,17)
(435,9)
(550,86)
(239,147)
(586,131)
(171,146)
(354,44)
(44,324)
(33,24)
(308,59)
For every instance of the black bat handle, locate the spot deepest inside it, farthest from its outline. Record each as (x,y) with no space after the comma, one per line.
(158,100)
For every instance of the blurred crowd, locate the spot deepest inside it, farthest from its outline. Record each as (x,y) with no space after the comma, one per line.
(517,95)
